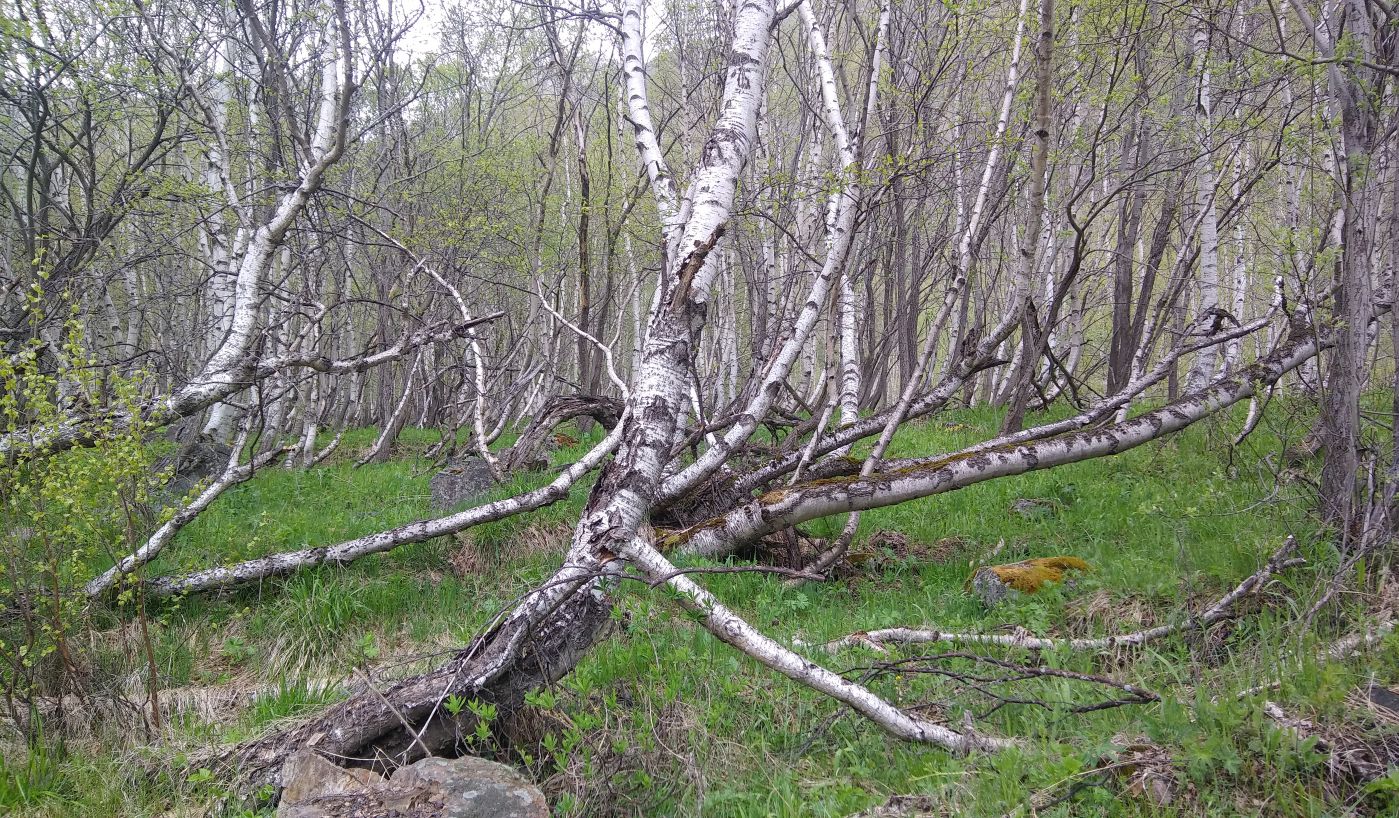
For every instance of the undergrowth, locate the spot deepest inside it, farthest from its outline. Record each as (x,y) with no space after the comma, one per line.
(662,719)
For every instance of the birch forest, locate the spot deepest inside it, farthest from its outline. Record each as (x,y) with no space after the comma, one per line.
(698,408)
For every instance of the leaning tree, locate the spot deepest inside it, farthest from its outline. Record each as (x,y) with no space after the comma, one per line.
(898,207)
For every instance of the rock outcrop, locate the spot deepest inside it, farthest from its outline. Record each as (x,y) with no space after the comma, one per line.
(466,787)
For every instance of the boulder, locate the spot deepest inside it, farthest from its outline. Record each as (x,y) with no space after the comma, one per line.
(307,776)
(475,788)
(461,482)
(993,583)
(464,787)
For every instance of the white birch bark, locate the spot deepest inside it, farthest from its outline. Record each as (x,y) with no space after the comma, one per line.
(976,212)
(392,425)
(217,177)
(843,206)
(734,630)
(923,478)
(839,229)
(1023,639)
(1239,284)
(232,475)
(226,365)
(1205,187)
(350,550)
(633,45)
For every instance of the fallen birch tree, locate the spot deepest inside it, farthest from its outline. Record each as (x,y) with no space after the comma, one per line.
(550,628)
(800,208)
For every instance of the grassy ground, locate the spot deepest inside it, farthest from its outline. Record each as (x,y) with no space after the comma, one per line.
(664,720)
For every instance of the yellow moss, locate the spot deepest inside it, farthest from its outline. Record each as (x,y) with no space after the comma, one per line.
(840,480)
(933,465)
(1030,575)
(928,465)
(771,497)
(667,541)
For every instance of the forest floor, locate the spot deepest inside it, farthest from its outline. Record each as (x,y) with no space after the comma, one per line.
(662,719)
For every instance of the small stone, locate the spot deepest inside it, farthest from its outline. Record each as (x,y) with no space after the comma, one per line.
(461,482)
(1032,508)
(1383,698)
(989,588)
(368,778)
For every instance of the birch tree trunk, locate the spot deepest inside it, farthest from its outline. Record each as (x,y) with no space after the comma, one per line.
(545,635)
(1031,333)
(1203,368)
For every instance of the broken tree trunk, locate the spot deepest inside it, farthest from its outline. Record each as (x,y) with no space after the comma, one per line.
(529,447)
(543,636)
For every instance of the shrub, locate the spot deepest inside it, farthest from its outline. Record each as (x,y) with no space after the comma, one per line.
(63,518)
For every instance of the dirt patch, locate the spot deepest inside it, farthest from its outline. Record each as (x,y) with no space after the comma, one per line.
(1147,771)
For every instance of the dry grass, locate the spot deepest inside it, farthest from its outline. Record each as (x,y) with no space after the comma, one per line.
(471,557)
(1104,611)
(1357,749)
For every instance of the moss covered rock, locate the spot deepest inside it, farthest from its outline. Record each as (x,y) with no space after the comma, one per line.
(993,583)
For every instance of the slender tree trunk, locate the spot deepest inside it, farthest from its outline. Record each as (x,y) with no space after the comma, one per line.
(1032,335)
(1203,368)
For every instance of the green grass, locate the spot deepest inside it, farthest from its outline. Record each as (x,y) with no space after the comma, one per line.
(677,723)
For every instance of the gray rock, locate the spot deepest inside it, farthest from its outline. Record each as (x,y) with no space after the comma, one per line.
(307,776)
(464,787)
(461,482)
(475,788)
(1033,508)
(994,583)
(989,588)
